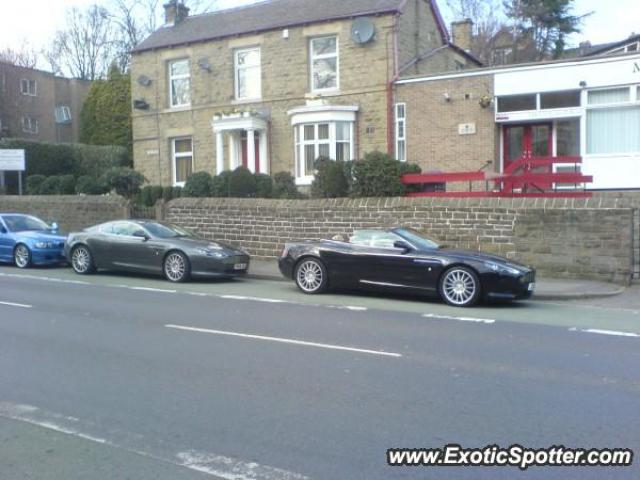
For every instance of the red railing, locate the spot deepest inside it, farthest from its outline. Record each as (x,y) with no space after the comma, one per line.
(526,177)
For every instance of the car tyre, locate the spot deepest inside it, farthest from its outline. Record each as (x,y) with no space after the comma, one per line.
(82,260)
(460,287)
(311,276)
(22,256)
(176,267)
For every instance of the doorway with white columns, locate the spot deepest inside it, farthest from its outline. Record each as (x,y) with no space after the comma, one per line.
(245,138)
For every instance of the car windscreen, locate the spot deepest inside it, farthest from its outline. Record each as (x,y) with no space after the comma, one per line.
(163,230)
(24,223)
(416,239)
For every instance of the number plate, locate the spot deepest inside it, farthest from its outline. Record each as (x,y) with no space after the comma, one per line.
(532,286)
(240,266)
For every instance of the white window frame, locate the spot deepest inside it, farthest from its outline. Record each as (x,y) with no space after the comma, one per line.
(401,139)
(237,69)
(632,102)
(63,114)
(27,91)
(313,57)
(186,76)
(175,156)
(32,125)
(302,176)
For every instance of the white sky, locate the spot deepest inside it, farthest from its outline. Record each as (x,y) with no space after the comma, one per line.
(35,21)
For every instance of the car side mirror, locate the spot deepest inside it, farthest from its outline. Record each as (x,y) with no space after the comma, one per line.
(402,245)
(55,227)
(141,235)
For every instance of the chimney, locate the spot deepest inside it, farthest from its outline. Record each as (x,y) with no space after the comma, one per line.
(584,47)
(462,33)
(174,12)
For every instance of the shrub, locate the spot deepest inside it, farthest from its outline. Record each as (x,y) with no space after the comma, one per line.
(63,159)
(124,181)
(198,185)
(150,194)
(34,182)
(169,193)
(50,186)
(89,185)
(242,183)
(330,180)
(284,186)
(410,168)
(66,185)
(264,186)
(377,175)
(220,185)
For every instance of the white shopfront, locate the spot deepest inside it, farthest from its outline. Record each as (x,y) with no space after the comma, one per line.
(583,108)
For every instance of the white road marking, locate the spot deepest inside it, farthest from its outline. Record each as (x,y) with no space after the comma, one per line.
(461,319)
(19,305)
(252,299)
(285,340)
(46,279)
(208,463)
(355,308)
(149,289)
(614,333)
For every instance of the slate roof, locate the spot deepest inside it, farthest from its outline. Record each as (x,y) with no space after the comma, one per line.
(263,16)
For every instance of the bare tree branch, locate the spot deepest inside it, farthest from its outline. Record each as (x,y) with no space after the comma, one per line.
(24,57)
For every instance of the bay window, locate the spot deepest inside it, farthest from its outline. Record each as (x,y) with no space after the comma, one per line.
(179,83)
(182,160)
(248,73)
(333,140)
(324,61)
(613,121)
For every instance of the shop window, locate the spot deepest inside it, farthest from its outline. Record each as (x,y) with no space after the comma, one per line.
(568,137)
(566,99)
(517,103)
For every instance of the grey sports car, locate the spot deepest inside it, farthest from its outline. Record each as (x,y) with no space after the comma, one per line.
(151,247)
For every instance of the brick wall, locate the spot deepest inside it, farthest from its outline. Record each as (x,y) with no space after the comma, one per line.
(562,238)
(70,212)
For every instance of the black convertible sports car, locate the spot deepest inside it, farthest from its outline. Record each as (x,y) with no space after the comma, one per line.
(403,259)
(152,247)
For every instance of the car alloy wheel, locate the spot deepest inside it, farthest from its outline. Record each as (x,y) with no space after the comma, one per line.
(311,276)
(22,256)
(176,267)
(81,260)
(460,287)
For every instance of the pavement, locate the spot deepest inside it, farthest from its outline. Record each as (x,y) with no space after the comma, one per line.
(120,376)
(546,288)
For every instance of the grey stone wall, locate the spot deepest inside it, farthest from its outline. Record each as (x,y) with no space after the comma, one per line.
(568,238)
(72,213)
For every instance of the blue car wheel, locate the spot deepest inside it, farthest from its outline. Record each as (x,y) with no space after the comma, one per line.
(22,256)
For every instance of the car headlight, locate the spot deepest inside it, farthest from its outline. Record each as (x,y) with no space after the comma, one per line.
(44,244)
(211,252)
(496,267)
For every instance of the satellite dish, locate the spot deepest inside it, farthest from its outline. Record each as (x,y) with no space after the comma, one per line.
(363,30)
(144,80)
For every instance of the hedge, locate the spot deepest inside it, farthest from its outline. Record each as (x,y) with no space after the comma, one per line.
(68,159)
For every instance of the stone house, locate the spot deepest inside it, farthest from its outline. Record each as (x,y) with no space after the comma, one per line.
(40,106)
(274,85)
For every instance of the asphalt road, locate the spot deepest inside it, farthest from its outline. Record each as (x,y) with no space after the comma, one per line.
(109,377)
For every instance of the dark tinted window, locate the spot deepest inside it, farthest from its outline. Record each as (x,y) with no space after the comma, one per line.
(560,99)
(516,103)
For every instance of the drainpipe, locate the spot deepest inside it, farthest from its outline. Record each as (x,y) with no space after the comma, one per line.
(390,84)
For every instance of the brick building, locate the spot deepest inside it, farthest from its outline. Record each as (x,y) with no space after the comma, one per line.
(39,105)
(488,118)
(274,85)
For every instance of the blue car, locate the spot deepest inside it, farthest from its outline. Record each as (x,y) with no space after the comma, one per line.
(28,241)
